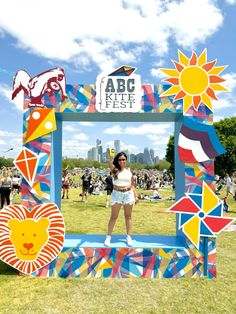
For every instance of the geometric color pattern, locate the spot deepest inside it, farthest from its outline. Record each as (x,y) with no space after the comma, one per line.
(81,98)
(130,263)
(41,122)
(201,215)
(30,240)
(198,142)
(27,162)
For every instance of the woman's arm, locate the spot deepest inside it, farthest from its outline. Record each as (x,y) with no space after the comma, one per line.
(134,190)
(110,163)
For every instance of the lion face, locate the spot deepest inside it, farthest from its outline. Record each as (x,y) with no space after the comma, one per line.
(28,237)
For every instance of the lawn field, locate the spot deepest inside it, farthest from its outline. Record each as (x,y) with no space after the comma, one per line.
(41,295)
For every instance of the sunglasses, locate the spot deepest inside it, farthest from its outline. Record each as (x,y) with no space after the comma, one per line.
(122,159)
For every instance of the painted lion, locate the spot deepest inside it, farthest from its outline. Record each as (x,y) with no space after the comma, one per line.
(30,240)
(28,237)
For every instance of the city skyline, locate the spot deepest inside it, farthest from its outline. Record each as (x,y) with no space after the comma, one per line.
(79,138)
(98,153)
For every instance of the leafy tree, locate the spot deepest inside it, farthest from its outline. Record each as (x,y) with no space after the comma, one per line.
(170,154)
(226,131)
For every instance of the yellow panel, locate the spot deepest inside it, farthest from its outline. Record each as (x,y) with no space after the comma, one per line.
(209,200)
(191,229)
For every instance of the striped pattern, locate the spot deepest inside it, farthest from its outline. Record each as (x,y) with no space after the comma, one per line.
(49,251)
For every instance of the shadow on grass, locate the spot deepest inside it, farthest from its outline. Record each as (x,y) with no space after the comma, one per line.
(7,270)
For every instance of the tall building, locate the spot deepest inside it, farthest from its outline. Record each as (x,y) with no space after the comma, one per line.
(147,157)
(132,158)
(126,151)
(152,154)
(140,158)
(99,150)
(117,146)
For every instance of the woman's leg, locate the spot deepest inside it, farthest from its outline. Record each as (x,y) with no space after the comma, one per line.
(115,209)
(7,194)
(128,218)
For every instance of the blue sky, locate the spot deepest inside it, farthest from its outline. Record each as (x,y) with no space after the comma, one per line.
(89,37)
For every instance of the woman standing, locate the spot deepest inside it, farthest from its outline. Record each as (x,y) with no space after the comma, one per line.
(5,186)
(123,194)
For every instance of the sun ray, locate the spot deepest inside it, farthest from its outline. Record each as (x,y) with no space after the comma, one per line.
(217,70)
(179,67)
(207,101)
(216,79)
(171,91)
(180,95)
(170,72)
(208,66)
(193,59)
(187,102)
(182,58)
(202,59)
(210,92)
(218,87)
(196,101)
(172,80)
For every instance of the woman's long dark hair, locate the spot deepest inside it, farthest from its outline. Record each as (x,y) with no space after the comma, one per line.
(117,168)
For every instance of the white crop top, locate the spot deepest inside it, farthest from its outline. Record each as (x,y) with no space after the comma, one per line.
(124,178)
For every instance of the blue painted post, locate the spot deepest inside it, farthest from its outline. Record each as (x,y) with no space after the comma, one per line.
(56,165)
(179,169)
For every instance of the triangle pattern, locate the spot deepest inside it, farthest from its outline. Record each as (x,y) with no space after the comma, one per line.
(217,211)
(210,200)
(21,156)
(196,198)
(21,165)
(35,119)
(191,230)
(44,126)
(184,218)
(205,231)
(184,205)
(217,224)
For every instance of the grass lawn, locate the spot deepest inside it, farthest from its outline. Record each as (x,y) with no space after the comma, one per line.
(40,295)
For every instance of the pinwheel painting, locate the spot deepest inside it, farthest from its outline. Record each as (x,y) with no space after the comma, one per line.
(201,215)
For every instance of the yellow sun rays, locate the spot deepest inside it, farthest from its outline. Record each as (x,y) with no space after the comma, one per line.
(194,80)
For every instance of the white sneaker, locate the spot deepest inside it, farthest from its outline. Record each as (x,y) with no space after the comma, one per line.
(107,241)
(129,241)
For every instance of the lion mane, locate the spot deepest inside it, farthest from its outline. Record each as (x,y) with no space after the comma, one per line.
(53,246)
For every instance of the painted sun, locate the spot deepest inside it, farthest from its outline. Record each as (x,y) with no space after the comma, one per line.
(194,80)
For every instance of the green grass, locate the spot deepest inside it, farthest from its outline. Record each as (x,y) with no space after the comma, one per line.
(39,295)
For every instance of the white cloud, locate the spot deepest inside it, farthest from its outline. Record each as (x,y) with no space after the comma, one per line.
(2,142)
(218,118)
(86,123)
(80,136)
(7,134)
(226,99)
(106,32)
(6,92)
(158,140)
(232,2)
(191,22)
(143,129)
(73,148)
(69,128)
